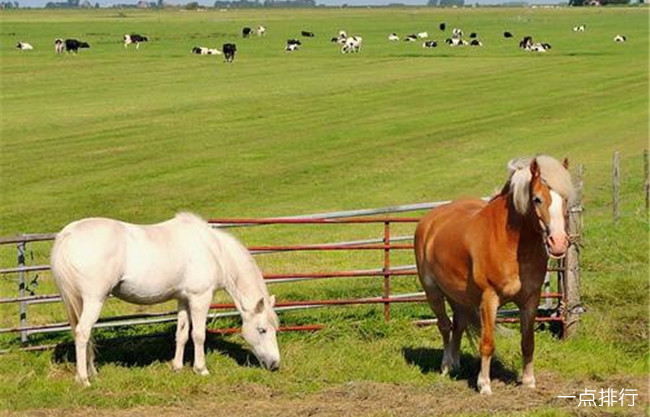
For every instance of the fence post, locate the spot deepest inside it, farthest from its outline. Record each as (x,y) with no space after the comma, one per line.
(21,288)
(646,179)
(571,294)
(616,185)
(387,270)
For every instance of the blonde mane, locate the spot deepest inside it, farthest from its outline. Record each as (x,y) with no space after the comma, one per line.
(552,173)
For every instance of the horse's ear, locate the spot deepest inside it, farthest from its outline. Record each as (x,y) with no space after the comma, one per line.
(259,307)
(272,301)
(565,163)
(534,168)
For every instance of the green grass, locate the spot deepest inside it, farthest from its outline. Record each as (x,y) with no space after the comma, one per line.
(141,135)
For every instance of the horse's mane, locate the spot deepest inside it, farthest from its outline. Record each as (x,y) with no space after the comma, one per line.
(236,262)
(552,173)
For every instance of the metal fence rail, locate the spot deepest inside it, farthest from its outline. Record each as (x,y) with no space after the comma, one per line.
(386,244)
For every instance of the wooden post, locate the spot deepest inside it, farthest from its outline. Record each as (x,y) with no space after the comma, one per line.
(646,180)
(571,291)
(616,185)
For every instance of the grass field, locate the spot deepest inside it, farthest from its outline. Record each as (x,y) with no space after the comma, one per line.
(140,135)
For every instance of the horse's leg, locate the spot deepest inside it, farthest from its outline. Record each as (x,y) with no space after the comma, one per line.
(462,317)
(89,316)
(489,305)
(199,306)
(436,300)
(528,311)
(182,334)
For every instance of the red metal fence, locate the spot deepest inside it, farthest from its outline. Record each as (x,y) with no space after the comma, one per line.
(386,244)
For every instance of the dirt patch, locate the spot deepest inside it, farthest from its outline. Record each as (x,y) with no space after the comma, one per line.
(376,399)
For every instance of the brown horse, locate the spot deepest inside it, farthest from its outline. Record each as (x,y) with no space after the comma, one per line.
(479,255)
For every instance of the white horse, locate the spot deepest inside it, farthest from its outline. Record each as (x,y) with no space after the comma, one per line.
(183,259)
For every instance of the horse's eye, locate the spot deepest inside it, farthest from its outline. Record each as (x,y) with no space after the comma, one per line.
(261,330)
(537,200)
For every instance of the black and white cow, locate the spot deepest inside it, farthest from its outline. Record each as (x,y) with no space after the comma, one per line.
(24,46)
(507,34)
(475,42)
(290,47)
(620,38)
(229,50)
(352,44)
(580,28)
(73,45)
(429,44)
(393,37)
(307,34)
(246,32)
(134,38)
(456,33)
(411,38)
(456,42)
(443,26)
(526,42)
(201,50)
(473,35)
(58,45)
(260,31)
(294,42)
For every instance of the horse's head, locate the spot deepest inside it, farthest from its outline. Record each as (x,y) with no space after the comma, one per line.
(259,328)
(542,189)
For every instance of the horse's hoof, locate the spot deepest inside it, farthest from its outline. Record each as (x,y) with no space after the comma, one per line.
(529,384)
(83,382)
(203,371)
(486,390)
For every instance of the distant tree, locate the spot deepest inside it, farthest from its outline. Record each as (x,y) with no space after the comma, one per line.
(458,3)
(192,5)
(432,3)
(576,3)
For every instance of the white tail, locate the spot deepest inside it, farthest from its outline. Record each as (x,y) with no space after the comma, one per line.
(64,276)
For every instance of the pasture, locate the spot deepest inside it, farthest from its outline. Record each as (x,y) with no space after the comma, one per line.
(141,135)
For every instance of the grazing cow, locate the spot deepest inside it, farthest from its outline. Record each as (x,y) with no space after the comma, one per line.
(507,35)
(246,32)
(580,28)
(58,45)
(443,26)
(352,44)
(411,38)
(475,42)
(526,42)
(538,47)
(393,37)
(73,45)
(455,42)
(620,38)
(429,44)
(24,46)
(473,35)
(456,33)
(229,50)
(260,31)
(134,38)
(293,42)
(291,47)
(423,35)
(200,50)
(307,34)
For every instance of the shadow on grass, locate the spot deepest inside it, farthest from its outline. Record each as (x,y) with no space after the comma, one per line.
(140,351)
(430,360)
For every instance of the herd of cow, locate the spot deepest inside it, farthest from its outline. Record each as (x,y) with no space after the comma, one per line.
(348,43)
